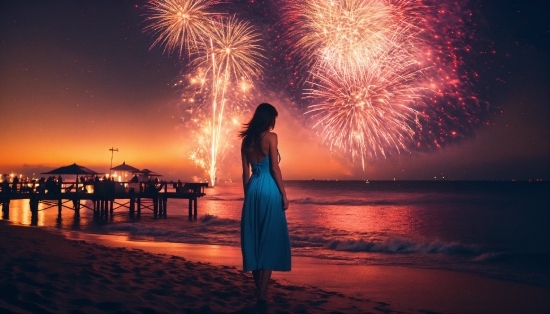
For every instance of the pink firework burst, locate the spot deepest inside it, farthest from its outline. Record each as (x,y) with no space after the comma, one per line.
(401,61)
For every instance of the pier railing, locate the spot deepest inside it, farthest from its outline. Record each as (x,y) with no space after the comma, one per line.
(107,186)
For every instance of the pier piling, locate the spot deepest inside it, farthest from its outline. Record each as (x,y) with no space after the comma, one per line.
(5,208)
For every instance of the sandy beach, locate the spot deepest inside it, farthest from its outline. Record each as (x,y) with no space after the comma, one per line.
(403,289)
(44,272)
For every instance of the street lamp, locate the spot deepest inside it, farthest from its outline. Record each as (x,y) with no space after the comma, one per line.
(112,150)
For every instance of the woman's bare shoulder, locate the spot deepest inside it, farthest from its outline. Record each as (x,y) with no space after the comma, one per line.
(271,136)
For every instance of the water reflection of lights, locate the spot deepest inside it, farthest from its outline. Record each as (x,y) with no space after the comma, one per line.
(40,221)
(357,219)
(47,215)
(20,213)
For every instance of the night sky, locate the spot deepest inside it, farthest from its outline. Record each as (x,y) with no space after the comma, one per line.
(79,77)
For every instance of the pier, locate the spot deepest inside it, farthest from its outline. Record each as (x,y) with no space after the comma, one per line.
(105,196)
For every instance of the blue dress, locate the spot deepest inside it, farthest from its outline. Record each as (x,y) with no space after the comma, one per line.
(265,242)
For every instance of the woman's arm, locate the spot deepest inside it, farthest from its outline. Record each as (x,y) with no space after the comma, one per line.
(275,169)
(246,169)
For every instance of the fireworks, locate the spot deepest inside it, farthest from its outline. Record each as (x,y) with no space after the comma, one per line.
(377,71)
(179,24)
(347,34)
(369,112)
(233,56)
(212,133)
(382,76)
(226,54)
(233,50)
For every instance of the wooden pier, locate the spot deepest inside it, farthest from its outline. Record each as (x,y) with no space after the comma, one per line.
(105,196)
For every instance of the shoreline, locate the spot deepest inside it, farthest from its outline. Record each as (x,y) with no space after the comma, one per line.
(175,272)
(44,272)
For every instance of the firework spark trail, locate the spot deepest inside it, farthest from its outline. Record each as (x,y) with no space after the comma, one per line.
(453,108)
(226,48)
(373,108)
(347,34)
(363,73)
(196,95)
(236,45)
(234,55)
(179,24)
(382,74)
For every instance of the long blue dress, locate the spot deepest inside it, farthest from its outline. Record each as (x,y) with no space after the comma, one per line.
(265,242)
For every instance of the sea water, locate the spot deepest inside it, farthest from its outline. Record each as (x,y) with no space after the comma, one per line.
(494,229)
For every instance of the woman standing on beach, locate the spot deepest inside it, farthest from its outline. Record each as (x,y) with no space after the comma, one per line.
(265,241)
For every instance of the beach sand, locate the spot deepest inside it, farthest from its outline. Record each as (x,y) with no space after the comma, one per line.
(405,289)
(45,272)
(41,271)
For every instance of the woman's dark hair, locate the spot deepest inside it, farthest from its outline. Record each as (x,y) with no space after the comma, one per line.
(262,120)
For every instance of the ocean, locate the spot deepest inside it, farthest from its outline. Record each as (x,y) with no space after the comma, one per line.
(494,229)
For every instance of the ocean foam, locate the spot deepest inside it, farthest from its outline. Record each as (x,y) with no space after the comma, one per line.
(388,245)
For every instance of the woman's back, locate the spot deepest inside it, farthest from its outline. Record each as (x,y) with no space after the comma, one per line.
(256,153)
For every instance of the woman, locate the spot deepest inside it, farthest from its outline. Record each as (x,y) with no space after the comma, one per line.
(265,242)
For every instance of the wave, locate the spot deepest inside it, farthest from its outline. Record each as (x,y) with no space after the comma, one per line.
(210,229)
(355,198)
(411,200)
(490,257)
(218,198)
(389,245)
(313,201)
(140,230)
(534,260)
(213,220)
(350,202)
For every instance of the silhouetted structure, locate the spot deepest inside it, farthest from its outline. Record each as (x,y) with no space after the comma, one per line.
(106,196)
